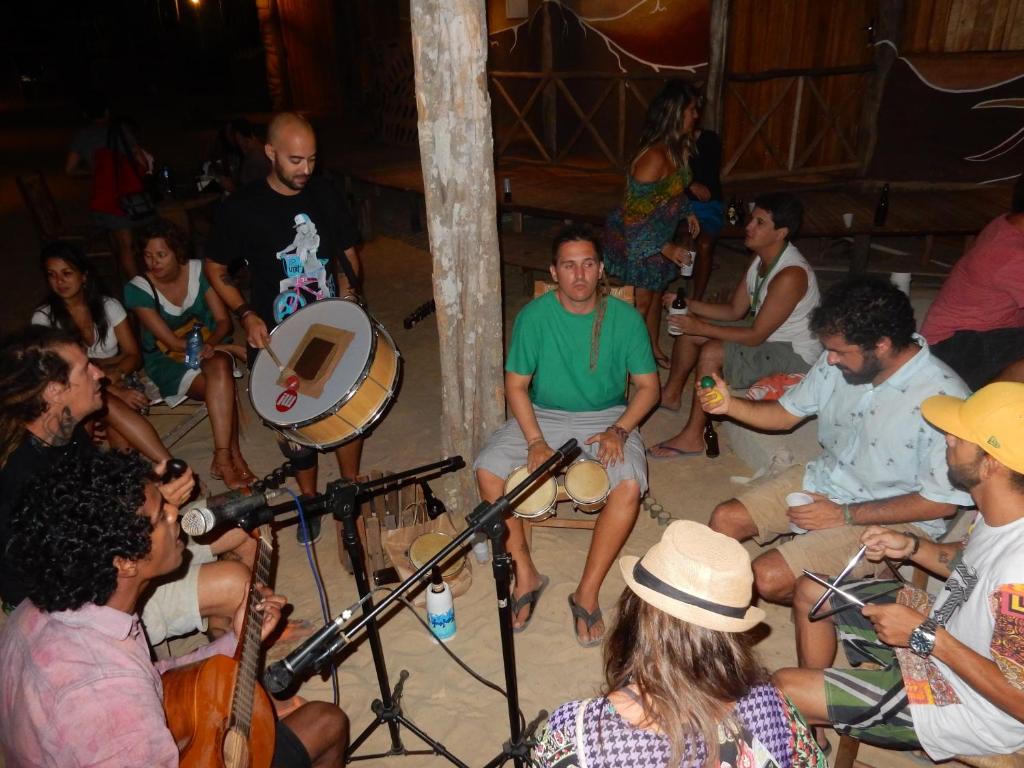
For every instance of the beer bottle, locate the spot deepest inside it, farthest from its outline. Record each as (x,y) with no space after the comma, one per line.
(710,440)
(678,308)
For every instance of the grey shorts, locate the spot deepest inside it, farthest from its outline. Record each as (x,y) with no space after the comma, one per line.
(745,365)
(173,607)
(506,448)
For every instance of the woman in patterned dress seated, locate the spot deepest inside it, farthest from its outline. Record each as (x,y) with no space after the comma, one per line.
(683,687)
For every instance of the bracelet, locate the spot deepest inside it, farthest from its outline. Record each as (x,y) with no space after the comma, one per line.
(242,310)
(917,542)
(848,515)
(615,429)
(531,443)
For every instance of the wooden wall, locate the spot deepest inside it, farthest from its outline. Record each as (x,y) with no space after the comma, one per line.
(957,26)
(311,58)
(815,123)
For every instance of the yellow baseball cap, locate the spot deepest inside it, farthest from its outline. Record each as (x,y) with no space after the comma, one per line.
(992,418)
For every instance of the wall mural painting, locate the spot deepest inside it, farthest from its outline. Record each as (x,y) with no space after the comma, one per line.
(614,35)
(964,123)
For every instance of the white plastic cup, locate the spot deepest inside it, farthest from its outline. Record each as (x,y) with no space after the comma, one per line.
(901,280)
(750,207)
(848,220)
(686,270)
(798,499)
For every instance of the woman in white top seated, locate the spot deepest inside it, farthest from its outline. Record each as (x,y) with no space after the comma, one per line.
(76,303)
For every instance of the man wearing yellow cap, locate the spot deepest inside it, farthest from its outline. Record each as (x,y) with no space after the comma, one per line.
(952,680)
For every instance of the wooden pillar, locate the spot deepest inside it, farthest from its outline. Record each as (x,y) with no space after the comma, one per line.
(549,99)
(714,91)
(449,43)
(889,26)
(274,53)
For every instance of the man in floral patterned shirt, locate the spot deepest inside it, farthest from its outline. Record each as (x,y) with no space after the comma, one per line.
(952,683)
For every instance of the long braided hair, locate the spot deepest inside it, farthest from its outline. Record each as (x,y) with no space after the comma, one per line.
(29,360)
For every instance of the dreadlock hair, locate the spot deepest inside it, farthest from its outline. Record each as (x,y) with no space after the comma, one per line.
(29,361)
(57,308)
(71,523)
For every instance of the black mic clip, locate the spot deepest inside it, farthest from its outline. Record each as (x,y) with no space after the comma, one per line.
(435,507)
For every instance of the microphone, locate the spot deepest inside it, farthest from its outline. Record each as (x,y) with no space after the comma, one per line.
(204,515)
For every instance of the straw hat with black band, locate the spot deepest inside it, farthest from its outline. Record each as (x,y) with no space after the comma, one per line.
(992,418)
(696,575)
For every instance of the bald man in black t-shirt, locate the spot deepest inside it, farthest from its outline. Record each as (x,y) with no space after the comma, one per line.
(256,224)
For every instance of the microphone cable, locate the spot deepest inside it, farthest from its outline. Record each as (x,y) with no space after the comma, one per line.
(321,593)
(454,656)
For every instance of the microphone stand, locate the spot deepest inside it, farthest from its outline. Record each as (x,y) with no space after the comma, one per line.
(316,651)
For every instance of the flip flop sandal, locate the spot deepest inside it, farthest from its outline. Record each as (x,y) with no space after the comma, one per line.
(528,599)
(590,619)
(674,453)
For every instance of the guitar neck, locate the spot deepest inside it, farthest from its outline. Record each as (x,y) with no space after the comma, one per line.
(249,646)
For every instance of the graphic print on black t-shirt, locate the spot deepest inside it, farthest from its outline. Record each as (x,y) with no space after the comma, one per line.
(257,223)
(306,276)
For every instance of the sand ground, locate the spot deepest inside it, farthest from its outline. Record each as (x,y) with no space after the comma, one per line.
(440,698)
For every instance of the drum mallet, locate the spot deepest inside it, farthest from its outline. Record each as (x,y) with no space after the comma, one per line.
(292,378)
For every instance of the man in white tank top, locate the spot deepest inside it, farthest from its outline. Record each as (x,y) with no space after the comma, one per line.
(762,330)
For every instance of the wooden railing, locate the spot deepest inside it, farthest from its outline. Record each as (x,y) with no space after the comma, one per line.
(534,117)
(800,98)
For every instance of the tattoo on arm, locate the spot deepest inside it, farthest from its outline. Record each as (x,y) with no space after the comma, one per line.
(944,556)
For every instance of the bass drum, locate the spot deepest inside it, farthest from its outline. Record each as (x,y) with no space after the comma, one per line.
(347,367)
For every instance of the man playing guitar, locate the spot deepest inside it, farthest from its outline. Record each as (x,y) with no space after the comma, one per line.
(80,688)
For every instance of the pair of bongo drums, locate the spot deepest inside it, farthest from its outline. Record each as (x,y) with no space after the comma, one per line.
(585,483)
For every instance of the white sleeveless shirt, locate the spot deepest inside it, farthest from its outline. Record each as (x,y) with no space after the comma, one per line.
(795,329)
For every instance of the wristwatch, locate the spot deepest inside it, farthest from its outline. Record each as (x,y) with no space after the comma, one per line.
(922,639)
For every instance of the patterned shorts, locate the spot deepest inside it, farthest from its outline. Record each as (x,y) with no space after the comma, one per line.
(869,704)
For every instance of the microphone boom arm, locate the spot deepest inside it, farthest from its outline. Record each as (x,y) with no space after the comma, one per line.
(319,647)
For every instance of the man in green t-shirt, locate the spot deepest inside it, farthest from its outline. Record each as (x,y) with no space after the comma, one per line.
(572,354)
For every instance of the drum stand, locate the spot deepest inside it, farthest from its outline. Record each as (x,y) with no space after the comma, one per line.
(316,651)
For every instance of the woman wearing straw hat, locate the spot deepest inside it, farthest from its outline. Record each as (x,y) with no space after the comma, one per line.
(683,685)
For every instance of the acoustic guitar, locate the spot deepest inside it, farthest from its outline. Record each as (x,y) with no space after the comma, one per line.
(217,711)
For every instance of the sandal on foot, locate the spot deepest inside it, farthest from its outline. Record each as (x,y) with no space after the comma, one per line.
(528,599)
(674,453)
(225,472)
(589,619)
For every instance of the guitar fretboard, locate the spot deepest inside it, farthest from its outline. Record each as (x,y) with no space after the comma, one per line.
(249,646)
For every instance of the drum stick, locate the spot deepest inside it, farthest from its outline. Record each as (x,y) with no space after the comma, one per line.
(292,378)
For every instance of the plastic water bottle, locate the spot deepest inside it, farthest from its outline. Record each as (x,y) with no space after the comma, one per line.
(440,607)
(193,346)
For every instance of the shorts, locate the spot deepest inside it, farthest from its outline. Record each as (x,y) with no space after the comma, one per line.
(173,607)
(711,216)
(505,449)
(289,752)
(744,365)
(823,551)
(979,356)
(869,704)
